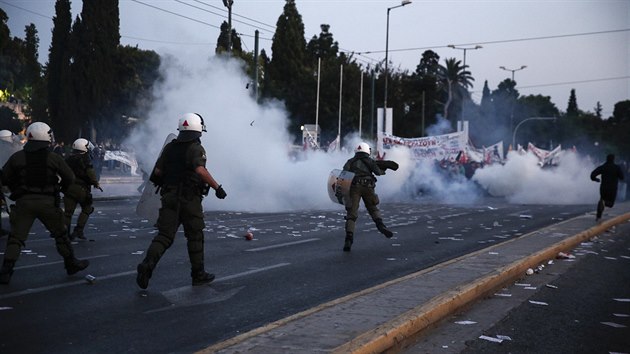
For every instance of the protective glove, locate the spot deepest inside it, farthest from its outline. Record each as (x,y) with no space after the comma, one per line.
(220,193)
(387,164)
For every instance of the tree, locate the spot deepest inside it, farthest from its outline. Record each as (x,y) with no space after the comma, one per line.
(572,107)
(137,71)
(617,128)
(97,37)
(35,85)
(12,58)
(9,120)
(287,71)
(418,101)
(32,68)
(222,41)
(454,81)
(598,110)
(58,69)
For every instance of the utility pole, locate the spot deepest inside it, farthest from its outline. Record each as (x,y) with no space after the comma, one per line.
(228,4)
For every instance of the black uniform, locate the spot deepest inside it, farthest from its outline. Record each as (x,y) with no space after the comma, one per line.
(611,175)
(32,175)
(181,193)
(79,192)
(363,184)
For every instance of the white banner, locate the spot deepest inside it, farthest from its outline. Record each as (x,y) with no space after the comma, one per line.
(437,147)
(123,157)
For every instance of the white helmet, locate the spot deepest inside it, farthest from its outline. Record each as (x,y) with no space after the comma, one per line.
(191,122)
(363,147)
(6,135)
(39,131)
(82,145)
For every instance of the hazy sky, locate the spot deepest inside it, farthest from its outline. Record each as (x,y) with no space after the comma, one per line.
(567,44)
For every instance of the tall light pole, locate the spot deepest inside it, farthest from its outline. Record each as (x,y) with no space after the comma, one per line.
(228,4)
(523,121)
(464,49)
(403,3)
(512,109)
(512,70)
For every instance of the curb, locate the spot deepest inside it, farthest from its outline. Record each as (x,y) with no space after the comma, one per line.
(400,331)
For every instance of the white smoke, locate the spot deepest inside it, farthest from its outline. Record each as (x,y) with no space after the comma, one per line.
(248,149)
(521,180)
(247,144)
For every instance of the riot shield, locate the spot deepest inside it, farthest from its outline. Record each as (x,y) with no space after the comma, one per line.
(338,185)
(149,204)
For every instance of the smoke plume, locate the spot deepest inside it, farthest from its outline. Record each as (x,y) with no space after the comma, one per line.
(249,152)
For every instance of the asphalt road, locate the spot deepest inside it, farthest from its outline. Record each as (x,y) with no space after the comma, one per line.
(294,263)
(576,305)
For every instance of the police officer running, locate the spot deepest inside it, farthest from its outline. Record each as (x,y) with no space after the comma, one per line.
(32,176)
(80,192)
(363,184)
(180,173)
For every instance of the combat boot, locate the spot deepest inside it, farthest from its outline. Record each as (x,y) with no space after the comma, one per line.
(348,243)
(383,229)
(77,233)
(74,265)
(6,272)
(145,270)
(201,277)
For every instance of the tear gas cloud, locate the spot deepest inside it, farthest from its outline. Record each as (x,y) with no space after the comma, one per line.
(247,146)
(521,180)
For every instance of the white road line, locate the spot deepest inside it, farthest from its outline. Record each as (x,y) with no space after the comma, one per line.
(281,245)
(57,262)
(253,271)
(64,285)
(117,275)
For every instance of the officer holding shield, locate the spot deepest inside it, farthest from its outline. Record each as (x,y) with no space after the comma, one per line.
(362,188)
(180,173)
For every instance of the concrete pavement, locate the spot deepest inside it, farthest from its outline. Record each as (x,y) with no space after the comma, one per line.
(387,317)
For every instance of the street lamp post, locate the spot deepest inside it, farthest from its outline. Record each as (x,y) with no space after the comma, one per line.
(523,121)
(512,70)
(464,49)
(228,4)
(512,109)
(403,3)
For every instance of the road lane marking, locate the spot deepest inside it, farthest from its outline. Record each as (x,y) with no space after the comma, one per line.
(56,262)
(281,245)
(64,285)
(122,274)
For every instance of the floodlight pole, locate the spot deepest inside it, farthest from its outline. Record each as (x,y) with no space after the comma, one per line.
(463,102)
(403,3)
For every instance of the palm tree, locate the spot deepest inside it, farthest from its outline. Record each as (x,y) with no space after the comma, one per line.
(454,81)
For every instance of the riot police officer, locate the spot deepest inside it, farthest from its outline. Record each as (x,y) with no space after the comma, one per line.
(80,192)
(181,174)
(362,188)
(32,176)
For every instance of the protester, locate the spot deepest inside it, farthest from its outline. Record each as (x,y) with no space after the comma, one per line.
(98,156)
(362,188)
(34,176)
(180,172)
(60,149)
(80,192)
(611,175)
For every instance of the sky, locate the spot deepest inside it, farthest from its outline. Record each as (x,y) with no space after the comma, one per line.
(570,44)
